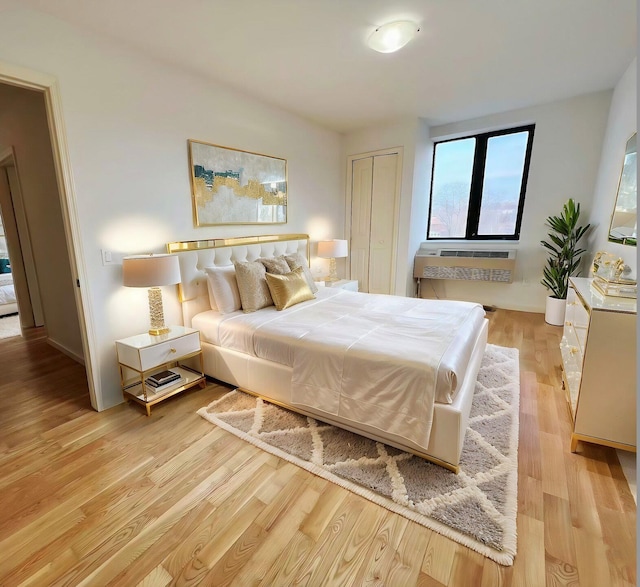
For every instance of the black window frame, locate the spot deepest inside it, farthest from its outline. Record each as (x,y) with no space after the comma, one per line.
(477,184)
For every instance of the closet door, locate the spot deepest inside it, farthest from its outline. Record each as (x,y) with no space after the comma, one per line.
(383,203)
(374,195)
(362,183)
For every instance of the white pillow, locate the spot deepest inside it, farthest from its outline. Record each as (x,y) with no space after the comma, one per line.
(224,295)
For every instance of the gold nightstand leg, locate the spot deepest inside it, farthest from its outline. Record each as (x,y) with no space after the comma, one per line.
(148,409)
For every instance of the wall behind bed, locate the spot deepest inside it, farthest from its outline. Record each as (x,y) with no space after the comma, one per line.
(128,118)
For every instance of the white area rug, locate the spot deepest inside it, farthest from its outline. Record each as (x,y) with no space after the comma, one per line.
(10,326)
(476,508)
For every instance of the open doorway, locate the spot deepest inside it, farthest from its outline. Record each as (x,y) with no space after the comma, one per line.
(55,239)
(18,275)
(9,319)
(36,248)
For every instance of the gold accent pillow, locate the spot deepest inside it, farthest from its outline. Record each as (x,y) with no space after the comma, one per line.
(289,289)
(296,260)
(253,288)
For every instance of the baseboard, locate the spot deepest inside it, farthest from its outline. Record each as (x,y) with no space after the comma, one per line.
(66,351)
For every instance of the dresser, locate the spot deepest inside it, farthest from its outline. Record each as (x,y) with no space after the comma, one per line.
(599,366)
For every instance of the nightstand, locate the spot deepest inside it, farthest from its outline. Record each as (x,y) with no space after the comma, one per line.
(143,355)
(350,284)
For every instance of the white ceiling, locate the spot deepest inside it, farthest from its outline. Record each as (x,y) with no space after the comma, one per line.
(471,58)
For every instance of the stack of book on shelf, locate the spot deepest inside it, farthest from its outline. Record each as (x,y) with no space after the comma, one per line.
(159,382)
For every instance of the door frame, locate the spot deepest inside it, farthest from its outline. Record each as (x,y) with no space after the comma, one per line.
(396,209)
(22,77)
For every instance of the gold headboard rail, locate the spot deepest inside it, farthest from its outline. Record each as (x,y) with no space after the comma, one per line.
(180,246)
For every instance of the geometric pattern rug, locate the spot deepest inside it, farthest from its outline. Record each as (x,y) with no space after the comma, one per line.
(476,507)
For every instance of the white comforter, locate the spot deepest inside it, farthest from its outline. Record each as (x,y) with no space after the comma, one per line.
(381,360)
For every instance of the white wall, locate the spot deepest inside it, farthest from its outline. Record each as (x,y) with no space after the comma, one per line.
(564,163)
(23,125)
(621,125)
(128,119)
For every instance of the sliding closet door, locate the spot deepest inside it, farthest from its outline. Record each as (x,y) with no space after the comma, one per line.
(374,197)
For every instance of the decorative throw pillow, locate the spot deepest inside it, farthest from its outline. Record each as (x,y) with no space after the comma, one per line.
(275,265)
(254,291)
(289,289)
(297,260)
(224,295)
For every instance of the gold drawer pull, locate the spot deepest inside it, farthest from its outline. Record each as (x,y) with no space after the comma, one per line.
(569,323)
(173,350)
(573,350)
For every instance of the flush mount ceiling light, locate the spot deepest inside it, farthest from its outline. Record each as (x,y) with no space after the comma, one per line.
(393,36)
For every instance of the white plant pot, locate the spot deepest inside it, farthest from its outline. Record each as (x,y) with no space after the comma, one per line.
(555,310)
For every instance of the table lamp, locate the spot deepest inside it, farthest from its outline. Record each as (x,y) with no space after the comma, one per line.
(331,250)
(152,271)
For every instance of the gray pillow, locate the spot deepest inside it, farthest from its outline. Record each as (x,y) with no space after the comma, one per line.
(297,260)
(252,285)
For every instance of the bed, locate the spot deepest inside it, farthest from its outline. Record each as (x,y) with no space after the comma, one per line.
(8,304)
(399,370)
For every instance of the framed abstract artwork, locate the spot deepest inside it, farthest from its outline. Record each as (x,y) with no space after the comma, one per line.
(230,186)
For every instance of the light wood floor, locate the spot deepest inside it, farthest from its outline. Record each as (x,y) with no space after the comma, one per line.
(116,498)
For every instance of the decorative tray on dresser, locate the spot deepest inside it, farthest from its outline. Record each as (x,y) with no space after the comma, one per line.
(599,366)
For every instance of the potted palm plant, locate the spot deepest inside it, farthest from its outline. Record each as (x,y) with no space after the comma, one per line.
(563,260)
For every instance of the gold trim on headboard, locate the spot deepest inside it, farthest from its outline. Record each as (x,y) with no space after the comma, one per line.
(215,243)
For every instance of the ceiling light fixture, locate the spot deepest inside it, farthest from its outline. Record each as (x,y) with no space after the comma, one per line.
(393,36)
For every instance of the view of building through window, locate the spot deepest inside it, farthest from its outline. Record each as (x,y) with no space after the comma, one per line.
(478,185)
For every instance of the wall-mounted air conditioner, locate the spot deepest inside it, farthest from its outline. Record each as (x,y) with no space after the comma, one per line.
(465,262)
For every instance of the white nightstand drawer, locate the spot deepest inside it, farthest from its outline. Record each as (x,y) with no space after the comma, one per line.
(145,357)
(168,351)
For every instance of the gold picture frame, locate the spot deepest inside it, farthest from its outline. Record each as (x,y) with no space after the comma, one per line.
(231,186)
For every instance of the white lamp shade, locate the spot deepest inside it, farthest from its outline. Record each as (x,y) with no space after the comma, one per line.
(333,249)
(392,36)
(150,270)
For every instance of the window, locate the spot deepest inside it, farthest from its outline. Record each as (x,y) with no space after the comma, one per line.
(478,185)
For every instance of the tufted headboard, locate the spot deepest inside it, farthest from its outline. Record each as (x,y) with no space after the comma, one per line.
(194,256)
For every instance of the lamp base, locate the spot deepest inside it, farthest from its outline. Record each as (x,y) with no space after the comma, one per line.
(159,331)
(156,312)
(333,275)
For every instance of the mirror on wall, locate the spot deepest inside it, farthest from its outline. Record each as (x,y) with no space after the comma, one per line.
(624,221)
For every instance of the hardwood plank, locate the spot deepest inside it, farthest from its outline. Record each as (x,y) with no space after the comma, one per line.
(558,534)
(318,562)
(530,569)
(439,556)
(278,537)
(382,553)
(554,479)
(467,568)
